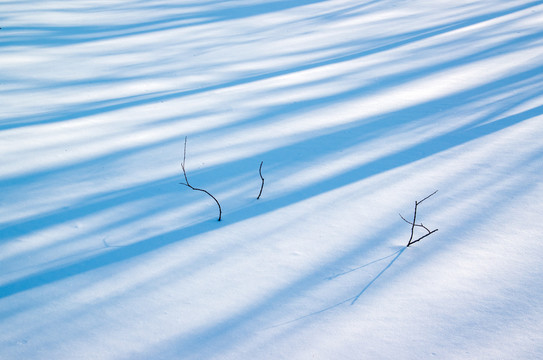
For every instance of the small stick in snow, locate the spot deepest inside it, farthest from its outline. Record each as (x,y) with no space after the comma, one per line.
(261,186)
(414,223)
(192,187)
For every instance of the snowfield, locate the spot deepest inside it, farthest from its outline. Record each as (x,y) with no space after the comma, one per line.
(357,109)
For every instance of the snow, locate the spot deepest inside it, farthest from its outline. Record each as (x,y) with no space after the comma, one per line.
(357,110)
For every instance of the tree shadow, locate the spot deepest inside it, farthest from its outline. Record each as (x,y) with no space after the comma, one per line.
(390,43)
(53,36)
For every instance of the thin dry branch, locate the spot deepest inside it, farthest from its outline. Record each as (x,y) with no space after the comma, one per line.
(261,186)
(186,183)
(428,196)
(410,223)
(414,223)
(422,237)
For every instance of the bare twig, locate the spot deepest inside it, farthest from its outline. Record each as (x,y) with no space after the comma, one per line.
(414,223)
(410,223)
(261,186)
(428,196)
(422,237)
(407,221)
(186,183)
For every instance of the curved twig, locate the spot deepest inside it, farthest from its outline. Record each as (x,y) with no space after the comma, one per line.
(261,186)
(186,183)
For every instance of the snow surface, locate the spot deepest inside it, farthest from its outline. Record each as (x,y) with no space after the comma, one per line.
(356,108)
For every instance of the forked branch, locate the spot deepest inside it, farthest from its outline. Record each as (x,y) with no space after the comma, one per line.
(186,183)
(261,186)
(414,223)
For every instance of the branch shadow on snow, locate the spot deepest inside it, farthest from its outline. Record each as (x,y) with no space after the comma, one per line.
(395,255)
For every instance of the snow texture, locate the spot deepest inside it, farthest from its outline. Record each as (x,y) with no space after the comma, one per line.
(356,108)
